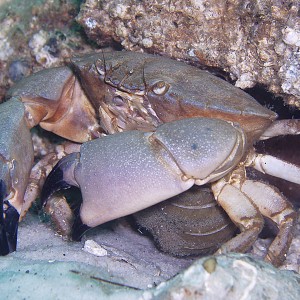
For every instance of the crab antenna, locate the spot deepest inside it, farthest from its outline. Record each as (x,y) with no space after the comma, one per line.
(104,65)
(144,79)
(104,62)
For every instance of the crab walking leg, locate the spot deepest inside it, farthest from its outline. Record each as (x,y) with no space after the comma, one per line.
(242,212)
(36,180)
(273,205)
(282,127)
(271,165)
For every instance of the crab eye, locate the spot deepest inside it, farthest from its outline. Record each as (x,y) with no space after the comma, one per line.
(160,88)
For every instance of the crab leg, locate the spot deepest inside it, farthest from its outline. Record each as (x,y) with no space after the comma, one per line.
(282,127)
(274,206)
(242,212)
(271,165)
(41,170)
(246,201)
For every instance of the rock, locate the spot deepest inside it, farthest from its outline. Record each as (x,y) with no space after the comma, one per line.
(46,266)
(131,258)
(234,276)
(256,42)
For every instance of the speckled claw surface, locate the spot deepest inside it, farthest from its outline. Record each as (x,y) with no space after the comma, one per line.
(177,155)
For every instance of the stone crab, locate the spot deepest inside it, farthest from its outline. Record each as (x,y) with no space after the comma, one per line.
(151,128)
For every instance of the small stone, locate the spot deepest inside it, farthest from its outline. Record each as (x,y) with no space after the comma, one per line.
(18,69)
(38,40)
(147,42)
(210,265)
(291,37)
(90,23)
(94,248)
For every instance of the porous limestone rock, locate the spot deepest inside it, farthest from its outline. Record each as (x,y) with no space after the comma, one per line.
(257,42)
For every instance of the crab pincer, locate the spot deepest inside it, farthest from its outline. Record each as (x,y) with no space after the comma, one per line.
(16,158)
(123,173)
(9,220)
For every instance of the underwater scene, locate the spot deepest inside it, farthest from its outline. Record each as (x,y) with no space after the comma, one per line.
(149,149)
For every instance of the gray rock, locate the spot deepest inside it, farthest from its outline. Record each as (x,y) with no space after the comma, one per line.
(47,267)
(256,42)
(233,277)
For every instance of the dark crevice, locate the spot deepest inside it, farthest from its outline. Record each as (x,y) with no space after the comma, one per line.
(277,104)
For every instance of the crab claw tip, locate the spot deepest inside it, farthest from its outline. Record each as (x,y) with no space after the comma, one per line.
(9,219)
(57,180)
(78,228)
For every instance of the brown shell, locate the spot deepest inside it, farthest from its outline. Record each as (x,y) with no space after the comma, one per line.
(188,91)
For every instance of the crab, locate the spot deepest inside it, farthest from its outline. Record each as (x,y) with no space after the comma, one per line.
(150,128)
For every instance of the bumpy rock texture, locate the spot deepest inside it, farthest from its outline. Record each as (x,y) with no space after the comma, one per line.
(257,42)
(36,34)
(233,277)
(131,268)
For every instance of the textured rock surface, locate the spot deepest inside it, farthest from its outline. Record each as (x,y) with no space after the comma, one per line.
(130,258)
(36,34)
(225,277)
(257,42)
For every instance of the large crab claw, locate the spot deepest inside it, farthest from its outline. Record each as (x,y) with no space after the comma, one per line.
(45,98)
(124,173)
(16,158)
